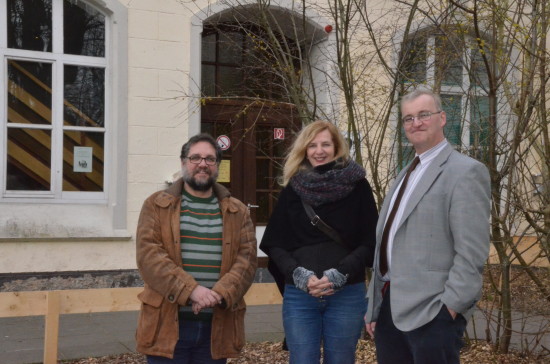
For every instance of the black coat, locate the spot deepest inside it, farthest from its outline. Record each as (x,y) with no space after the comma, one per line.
(291,241)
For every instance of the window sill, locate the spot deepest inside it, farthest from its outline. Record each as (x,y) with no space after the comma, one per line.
(75,239)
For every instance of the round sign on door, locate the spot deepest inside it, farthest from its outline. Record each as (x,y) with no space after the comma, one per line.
(223,142)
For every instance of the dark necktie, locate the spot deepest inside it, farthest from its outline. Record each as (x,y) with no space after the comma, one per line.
(391,216)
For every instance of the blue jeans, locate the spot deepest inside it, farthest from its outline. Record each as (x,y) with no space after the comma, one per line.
(193,346)
(335,321)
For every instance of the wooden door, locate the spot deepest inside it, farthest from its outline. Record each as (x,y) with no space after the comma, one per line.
(260,134)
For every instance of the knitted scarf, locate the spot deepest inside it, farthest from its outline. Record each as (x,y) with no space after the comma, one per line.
(327,183)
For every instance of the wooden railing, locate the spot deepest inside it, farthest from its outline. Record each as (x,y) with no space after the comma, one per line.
(52,304)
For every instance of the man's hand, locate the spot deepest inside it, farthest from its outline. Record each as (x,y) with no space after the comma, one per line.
(202,297)
(370,328)
(319,287)
(452,312)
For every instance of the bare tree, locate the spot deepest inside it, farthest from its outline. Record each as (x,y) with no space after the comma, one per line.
(490,54)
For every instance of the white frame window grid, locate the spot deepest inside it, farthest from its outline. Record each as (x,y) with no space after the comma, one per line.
(58,60)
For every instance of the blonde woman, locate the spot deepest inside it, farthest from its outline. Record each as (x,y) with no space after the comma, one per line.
(322,274)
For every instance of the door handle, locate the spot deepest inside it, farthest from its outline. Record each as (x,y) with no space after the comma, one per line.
(250,206)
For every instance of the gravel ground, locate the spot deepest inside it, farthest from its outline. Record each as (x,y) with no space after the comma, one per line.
(272,353)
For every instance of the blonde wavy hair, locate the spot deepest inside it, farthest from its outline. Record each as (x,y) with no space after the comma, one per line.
(296,158)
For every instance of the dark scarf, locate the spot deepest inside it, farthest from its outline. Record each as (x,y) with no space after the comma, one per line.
(328,182)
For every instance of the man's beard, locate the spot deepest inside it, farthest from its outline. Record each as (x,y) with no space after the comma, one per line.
(202,186)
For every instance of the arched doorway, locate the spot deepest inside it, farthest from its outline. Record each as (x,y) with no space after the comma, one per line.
(245,102)
(245,97)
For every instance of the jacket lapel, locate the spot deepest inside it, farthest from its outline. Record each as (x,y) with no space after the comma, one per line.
(435,168)
(385,206)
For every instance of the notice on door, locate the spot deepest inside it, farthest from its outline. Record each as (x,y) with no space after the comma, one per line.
(82,159)
(279,133)
(224,171)
(223,142)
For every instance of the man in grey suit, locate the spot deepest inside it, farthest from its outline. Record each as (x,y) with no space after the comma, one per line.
(432,242)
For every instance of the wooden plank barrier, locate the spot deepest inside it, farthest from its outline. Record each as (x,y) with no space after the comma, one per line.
(51,304)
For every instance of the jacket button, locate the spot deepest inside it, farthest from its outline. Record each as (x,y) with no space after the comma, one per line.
(171,298)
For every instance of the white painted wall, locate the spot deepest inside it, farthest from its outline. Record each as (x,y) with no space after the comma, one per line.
(154,116)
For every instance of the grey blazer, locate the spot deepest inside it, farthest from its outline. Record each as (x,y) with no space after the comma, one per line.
(440,245)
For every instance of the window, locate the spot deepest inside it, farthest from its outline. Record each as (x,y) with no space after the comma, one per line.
(63,120)
(454,66)
(237,60)
(55,123)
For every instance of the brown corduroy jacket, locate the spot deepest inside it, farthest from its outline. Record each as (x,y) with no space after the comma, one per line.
(167,285)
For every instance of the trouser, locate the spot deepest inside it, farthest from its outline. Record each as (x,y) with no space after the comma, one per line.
(193,346)
(437,342)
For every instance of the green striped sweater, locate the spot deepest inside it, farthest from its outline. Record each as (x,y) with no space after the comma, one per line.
(201,245)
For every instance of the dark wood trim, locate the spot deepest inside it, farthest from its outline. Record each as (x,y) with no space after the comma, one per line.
(262,262)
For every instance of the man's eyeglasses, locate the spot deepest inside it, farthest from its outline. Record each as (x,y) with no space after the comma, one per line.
(423,116)
(197,159)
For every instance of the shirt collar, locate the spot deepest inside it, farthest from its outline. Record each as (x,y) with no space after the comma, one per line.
(431,153)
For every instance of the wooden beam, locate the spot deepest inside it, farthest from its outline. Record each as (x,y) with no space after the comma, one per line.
(51,331)
(263,294)
(100,300)
(35,303)
(19,304)
(53,303)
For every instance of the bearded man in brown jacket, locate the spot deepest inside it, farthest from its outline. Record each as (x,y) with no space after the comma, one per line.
(196,253)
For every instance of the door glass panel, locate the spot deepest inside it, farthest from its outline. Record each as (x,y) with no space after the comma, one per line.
(263,147)
(262,173)
(231,48)
(208,80)
(83,157)
(230,81)
(270,154)
(83,29)
(29,159)
(280,146)
(84,103)
(207,128)
(29,92)
(263,210)
(30,25)
(209,48)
